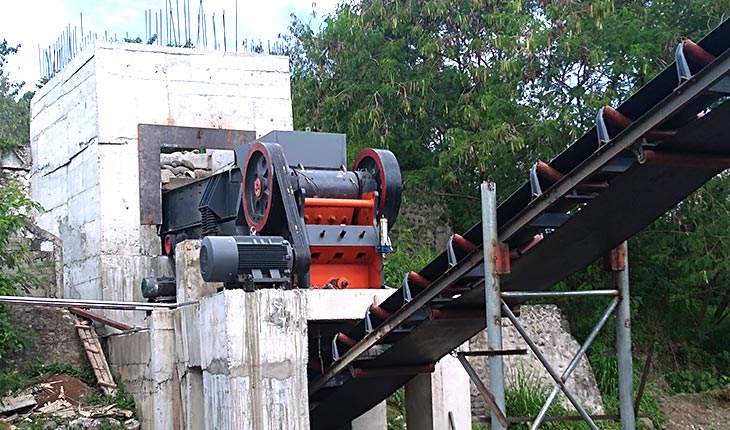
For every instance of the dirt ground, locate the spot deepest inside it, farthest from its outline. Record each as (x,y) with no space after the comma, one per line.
(703,411)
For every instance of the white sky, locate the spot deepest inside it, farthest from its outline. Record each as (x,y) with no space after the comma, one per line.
(39,22)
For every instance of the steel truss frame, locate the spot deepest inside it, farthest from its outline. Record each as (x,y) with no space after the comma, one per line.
(497,308)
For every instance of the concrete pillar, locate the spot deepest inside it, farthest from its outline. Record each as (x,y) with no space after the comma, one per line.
(189,283)
(189,372)
(374,419)
(164,389)
(253,357)
(145,363)
(440,400)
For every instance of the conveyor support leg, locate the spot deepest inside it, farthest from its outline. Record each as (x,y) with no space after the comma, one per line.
(493,298)
(623,343)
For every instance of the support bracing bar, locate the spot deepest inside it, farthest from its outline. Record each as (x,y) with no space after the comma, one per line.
(553,374)
(574,363)
(484,391)
(556,294)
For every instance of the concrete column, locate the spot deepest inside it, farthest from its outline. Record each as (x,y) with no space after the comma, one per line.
(440,400)
(189,283)
(374,419)
(189,372)
(254,358)
(163,374)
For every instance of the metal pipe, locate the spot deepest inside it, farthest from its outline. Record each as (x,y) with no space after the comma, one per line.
(338,203)
(547,294)
(91,304)
(675,101)
(548,367)
(574,363)
(495,410)
(685,159)
(623,345)
(492,300)
(696,53)
(644,378)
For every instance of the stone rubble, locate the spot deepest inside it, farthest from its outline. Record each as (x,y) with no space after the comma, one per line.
(185,164)
(549,329)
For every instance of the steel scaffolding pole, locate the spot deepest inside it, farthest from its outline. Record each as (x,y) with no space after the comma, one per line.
(623,341)
(492,299)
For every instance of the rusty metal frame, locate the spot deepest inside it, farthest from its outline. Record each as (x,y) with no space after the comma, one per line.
(154,138)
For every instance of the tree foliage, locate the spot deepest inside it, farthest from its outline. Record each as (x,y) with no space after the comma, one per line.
(14,108)
(473,89)
(15,206)
(480,88)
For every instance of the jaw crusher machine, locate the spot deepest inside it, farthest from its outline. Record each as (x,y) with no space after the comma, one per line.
(288,214)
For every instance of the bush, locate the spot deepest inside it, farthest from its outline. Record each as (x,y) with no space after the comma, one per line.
(695,381)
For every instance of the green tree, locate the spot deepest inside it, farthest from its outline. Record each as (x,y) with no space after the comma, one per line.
(15,206)
(479,88)
(473,89)
(14,108)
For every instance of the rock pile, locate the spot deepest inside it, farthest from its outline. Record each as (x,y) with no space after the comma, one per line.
(185,164)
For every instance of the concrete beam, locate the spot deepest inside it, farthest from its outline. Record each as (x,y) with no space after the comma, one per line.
(324,305)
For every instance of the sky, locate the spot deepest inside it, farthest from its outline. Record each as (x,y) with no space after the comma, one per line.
(34,23)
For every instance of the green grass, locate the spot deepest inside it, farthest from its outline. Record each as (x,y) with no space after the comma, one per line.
(525,398)
(695,381)
(123,399)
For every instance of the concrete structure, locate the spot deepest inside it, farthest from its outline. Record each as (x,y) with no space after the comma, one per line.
(440,401)
(224,359)
(231,359)
(84,147)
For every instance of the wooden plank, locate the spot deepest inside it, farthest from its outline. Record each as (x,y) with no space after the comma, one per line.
(94,353)
(99,318)
(11,404)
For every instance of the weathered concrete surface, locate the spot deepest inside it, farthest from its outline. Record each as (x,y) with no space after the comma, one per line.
(323,305)
(436,399)
(374,419)
(548,328)
(145,363)
(84,148)
(253,356)
(189,282)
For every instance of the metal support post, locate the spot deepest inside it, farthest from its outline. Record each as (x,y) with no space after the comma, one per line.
(623,342)
(492,299)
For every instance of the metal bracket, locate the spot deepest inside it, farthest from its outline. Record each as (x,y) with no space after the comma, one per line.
(407,297)
(502,259)
(152,138)
(615,261)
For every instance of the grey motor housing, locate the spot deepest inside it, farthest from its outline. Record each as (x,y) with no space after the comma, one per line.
(250,262)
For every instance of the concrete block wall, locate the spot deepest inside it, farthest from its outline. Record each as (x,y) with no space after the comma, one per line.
(84,146)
